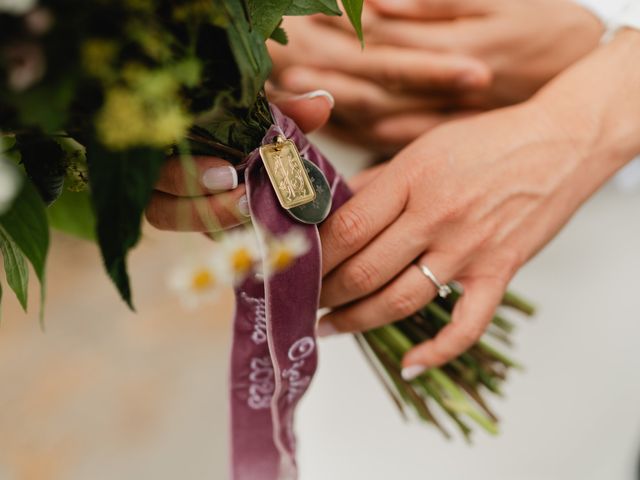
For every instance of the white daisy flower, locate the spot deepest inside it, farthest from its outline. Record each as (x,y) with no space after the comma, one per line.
(239,248)
(17,7)
(285,249)
(199,281)
(9,184)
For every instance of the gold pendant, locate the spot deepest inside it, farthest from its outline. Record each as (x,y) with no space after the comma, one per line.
(287,173)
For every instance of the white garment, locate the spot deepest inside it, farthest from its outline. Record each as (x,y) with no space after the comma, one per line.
(616,14)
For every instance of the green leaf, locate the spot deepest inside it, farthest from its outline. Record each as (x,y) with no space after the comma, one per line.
(354,12)
(121,186)
(15,268)
(27,226)
(311,7)
(266,15)
(73,214)
(280,35)
(44,161)
(249,51)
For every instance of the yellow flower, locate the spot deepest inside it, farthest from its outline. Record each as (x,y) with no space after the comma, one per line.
(122,121)
(285,249)
(128,119)
(202,279)
(168,126)
(98,56)
(240,250)
(198,282)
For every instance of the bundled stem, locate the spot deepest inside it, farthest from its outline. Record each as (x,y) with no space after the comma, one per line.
(458,389)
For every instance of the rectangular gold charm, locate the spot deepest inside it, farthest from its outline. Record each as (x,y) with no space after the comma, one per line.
(287,173)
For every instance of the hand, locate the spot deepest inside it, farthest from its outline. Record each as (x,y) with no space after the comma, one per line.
(368,85)
(475,199)
(524,43)
(220,203)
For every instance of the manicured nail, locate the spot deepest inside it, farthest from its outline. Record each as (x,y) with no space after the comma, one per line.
(326,329)
(409,373)
(218,179)
(243,206)
(316,94)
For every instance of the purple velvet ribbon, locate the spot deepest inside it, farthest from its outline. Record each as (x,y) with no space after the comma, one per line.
(274,355)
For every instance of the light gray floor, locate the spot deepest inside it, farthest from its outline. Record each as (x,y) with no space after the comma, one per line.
(106,394)
(575,412)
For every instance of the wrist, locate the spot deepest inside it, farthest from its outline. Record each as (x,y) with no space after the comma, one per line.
(596,103)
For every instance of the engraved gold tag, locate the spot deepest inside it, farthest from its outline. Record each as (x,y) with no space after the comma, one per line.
(287,173)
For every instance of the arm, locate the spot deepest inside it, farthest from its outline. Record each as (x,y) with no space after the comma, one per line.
(476,199)
(522,43)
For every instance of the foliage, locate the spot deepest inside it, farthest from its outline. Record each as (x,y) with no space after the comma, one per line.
(95,94)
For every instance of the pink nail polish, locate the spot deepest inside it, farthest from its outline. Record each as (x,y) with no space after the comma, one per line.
(413,371)
(326,329)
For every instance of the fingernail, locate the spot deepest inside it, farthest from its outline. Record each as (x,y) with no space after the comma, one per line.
(326,329)
(243,206)
(316,94)
(220,178)
(409,373)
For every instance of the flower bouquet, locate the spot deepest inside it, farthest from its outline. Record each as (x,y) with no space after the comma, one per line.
(94,96)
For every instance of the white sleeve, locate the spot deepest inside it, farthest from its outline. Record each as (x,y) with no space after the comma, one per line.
(605,10)
(615,14)
(629,16)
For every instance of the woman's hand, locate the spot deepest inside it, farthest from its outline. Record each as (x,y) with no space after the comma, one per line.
(521,43)
(370,85)
(475,199)
(218,202)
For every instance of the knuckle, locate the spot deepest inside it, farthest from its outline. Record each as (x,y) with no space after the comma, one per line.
(449,211)
(438,354)
(360,277)
(402,303)
(483,238)
(171,177)
(390,75)
(507,264)
(349,227)
(469,333)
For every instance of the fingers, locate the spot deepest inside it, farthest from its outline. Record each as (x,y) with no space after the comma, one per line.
(365,177)
(376,264)
(200,214)
(471,316)
(465,36)
(356,97)
(431,9)
(310,110)
(408,293)
(197,176)
(456,34)
(355,224)
(389,66)
(418,69)
(404,128)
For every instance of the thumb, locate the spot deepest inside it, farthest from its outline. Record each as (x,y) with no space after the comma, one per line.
(430,9)
(310,111)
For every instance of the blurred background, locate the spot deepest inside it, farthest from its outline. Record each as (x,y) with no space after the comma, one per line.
(104,393)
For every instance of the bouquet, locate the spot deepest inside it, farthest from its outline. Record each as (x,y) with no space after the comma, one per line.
(93,98)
